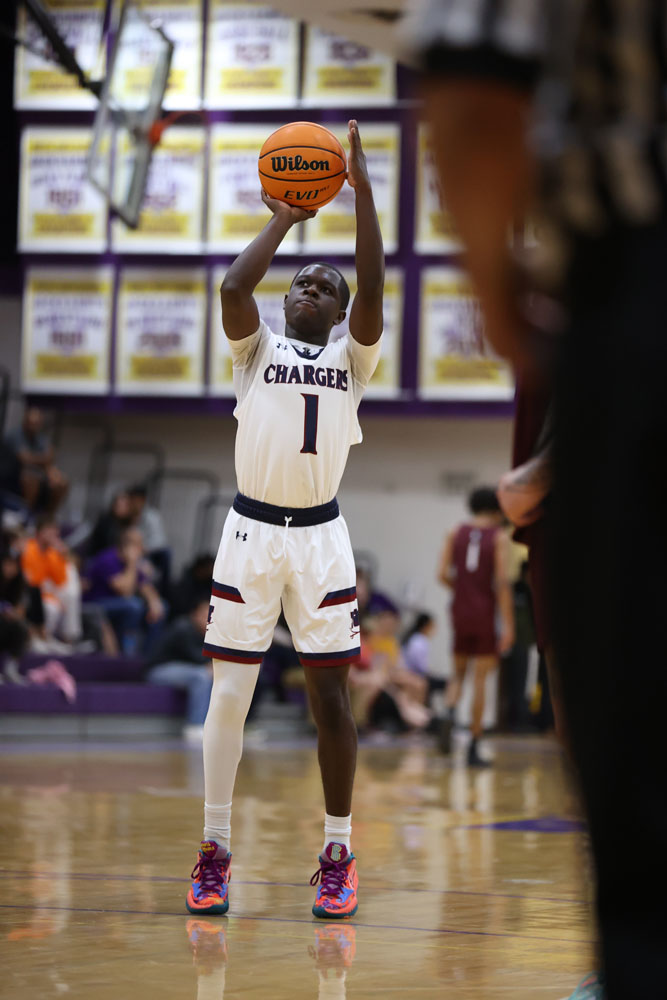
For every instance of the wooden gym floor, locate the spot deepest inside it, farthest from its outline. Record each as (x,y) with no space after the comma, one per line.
(472,884)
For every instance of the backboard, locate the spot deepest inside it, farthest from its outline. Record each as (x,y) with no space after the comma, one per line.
(130,103)
(374,23)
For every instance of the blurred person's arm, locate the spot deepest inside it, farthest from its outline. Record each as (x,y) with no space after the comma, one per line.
(156,608)
(482,63)
(446,575)
(126,582)
(479,136)
(504,593)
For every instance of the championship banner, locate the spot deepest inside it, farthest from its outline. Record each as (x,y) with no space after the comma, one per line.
(160,332)
(59,210)
(172,210)
(182,23)
(42,83)
(269,296)
(252,57)
(455,361)
(386,381)
(66,331)
(338,71)
(236,212)
(434,229)
(333,230)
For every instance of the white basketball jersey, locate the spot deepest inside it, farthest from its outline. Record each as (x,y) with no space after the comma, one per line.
(297,414)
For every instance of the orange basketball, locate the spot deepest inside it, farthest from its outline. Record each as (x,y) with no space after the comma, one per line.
(303,164)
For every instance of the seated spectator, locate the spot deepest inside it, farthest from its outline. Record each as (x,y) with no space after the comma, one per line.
(177,661)
(149,522)
(392,696)
(119,581)
(14,598)
(43,486)
(46,564)
(194,585)
(417,644)
(110,525)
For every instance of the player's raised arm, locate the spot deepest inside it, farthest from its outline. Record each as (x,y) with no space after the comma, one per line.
(366,312)
(240,317)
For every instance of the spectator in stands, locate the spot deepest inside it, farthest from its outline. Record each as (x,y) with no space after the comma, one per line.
(193,586)
(111,524)
(384,693)
(177,661)
(46,564)
(119,581)
(417,644)
(149,522)
(43,485)
(14,598)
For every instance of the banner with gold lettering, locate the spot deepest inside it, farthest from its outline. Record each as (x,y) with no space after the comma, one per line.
(455,362)
(182,23)
(252,57)
(59,210)
(66,332)
(236,212)
(160,332)
(171,212)
(339,71)
(434,228)
(333,229)
(42,83)
(269,296)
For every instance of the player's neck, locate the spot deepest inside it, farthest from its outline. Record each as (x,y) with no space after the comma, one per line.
(484,521)
(316,339)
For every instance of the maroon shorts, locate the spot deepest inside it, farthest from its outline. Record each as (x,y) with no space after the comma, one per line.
(475,643)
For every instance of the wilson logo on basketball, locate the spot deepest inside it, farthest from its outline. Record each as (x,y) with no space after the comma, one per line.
(280,164)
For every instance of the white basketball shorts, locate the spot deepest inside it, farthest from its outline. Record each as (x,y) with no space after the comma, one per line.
(309,568)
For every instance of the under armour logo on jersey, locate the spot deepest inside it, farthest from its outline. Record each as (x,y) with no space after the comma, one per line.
(242,536)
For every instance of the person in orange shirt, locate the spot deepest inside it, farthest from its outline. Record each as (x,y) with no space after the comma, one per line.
(46,564)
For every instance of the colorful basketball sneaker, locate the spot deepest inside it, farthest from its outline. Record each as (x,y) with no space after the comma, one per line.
(337,892)
(209,892)
(591,988)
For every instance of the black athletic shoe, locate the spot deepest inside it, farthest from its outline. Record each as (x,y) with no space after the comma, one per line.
(445,726)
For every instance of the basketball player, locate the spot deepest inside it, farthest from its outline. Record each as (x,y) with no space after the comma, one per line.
(474,564)
(285,541)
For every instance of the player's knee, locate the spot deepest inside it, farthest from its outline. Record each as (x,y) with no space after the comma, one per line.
(329,703)
(228,706)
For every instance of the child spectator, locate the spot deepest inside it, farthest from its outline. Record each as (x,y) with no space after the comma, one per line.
(177,661)
(417,644)
(119,581)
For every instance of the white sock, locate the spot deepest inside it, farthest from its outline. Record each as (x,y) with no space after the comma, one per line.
(337,829)
(218,824)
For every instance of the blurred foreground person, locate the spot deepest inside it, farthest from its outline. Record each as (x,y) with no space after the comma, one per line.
(583,86)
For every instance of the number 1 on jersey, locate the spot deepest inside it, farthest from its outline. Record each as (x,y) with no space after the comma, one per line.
(312,403)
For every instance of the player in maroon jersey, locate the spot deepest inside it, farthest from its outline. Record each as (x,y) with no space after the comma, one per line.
(474,565)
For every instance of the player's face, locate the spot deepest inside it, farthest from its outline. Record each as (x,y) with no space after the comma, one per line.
(312,305)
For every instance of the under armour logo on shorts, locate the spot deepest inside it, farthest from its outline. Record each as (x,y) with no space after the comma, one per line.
(242,536)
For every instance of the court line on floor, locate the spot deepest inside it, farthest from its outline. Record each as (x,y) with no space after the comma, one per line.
(300,920)
(103,877)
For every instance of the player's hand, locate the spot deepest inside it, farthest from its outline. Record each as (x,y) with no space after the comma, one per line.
(291,212)
(357,168)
